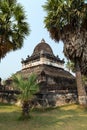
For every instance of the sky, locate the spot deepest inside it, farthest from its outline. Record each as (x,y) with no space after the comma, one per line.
(35,17)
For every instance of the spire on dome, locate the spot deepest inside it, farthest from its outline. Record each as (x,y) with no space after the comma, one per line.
(42,41)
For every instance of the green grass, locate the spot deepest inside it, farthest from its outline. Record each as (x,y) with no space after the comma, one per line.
(70,117)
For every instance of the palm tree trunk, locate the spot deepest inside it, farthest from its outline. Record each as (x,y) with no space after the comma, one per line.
(82,98)
(25,109)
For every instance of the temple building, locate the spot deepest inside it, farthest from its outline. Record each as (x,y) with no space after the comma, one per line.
(57,86)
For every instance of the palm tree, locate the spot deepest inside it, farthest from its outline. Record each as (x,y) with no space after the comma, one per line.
(13,26)
(27,88)
(66,20)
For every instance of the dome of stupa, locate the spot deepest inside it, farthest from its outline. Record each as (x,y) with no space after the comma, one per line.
(42,47)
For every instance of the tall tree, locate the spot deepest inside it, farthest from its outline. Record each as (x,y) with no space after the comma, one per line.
(13,26)
(66,20)
(27,88)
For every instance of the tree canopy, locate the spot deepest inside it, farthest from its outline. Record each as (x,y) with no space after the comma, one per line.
(13,26)
(66,20)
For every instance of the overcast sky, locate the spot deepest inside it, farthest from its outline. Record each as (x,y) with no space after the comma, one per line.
(35,17)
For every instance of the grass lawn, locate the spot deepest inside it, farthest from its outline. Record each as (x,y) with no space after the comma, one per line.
(70,117)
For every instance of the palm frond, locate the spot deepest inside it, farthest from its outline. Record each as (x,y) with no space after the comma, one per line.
(13,25)
(66,20)
(27,87)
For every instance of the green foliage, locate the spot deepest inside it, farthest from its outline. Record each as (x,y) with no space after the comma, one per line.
(66,21)
(84,79)
(28,87)
(70,66)
(13,26)
(64,14)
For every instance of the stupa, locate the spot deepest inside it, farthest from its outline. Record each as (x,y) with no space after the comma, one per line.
(57,86)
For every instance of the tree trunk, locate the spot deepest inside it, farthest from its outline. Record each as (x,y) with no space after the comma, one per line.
(25,109)
(82,98)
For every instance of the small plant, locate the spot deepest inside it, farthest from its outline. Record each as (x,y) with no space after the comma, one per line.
(28,88)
